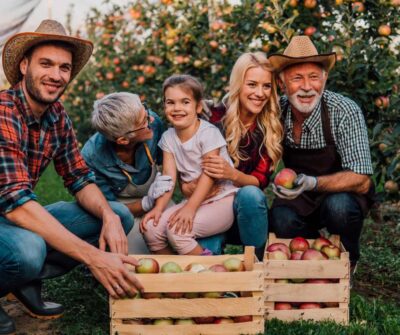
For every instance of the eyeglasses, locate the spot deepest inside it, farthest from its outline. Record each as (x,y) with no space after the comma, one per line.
(148,121)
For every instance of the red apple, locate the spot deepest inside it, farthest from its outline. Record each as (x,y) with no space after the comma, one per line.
(320,242)
(279,246)
(285,178)
(234,264)
(184,322)
(152,295)
(278,255)
(309,31)
(204,319)
(331,251)
(218,268)
(318,281)
(299,244)
(296,255)
(312,254)
(171,267)
(147,265)
(358,6)
(242,318)
(309,305)
(194,267)
(280,306)
(223,320)
(384,30)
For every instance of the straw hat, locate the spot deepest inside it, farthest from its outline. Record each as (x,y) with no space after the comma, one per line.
(48,30)
(301,50)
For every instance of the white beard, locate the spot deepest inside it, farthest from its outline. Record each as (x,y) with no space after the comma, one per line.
(305,108)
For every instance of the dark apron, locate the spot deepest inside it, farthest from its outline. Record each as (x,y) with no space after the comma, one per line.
(317,162)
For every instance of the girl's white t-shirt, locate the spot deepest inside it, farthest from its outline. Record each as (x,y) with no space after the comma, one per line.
(188,155)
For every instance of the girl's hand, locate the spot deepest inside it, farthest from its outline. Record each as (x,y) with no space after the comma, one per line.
(187,189)
(182,219)
(218,168)
(154,214)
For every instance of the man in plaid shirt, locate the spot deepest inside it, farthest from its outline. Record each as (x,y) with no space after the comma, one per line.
(39,242)
(326,143)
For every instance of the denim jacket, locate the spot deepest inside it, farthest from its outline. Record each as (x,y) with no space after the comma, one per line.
(100,156)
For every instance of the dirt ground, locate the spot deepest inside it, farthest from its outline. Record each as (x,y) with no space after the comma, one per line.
(25,324)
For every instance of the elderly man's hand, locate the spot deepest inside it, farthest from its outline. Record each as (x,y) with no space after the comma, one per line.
(302,183)
(161,184)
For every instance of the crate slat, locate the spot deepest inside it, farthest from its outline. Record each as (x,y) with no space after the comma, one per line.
(306,269)
(307,292)
(186,308)
(202,282)
(209,329)
(339,315)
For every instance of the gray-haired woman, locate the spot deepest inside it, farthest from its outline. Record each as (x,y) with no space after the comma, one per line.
(124,156)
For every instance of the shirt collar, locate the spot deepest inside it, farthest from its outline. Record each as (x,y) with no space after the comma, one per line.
(50,116)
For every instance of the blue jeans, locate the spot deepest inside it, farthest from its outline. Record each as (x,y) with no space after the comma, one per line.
(23,253)
(251,221)
(340,213)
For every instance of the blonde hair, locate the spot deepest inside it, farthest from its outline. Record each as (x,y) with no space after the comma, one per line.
(268,121)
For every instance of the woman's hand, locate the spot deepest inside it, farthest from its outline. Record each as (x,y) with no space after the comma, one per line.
(218,168)
(182,219)
(154,214)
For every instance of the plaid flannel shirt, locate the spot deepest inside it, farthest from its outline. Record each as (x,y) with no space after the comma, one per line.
(27,146)
(348,130)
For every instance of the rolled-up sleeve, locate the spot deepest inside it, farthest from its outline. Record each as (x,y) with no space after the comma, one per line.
(69,162)
(15,183)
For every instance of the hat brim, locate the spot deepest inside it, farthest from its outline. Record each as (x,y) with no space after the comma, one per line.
(16,47)
(280,62)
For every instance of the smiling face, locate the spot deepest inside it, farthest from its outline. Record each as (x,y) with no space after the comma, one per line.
(181,109)
(255,90)
(304,84)
(46,73)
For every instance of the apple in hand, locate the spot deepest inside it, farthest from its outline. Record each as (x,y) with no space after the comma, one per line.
(285,178)
(320,242)
(299,244)
(279,246)
(147,265)
(234,264)
(332,251)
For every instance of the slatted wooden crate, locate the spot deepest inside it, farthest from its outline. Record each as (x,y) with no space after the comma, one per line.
(335,292)
(251,301)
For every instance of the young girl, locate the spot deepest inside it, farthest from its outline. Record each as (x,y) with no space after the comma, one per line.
(208,211)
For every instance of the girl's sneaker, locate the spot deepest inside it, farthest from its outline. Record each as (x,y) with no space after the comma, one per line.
(206,252)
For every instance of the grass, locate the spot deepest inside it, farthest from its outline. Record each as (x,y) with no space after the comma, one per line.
(374,305)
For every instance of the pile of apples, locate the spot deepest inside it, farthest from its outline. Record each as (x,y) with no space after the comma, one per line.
(150,265)
(299,249)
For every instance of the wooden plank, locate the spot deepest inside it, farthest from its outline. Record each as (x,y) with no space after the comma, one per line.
(307,292)
(203,281)
(338,315)
(306,269)
(207,329)
(186,308)
(249,258)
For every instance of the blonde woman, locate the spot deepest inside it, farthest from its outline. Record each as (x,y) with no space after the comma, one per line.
(253,132)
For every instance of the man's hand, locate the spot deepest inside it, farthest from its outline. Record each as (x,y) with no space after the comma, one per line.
(161,184)
(110,270)
(182,219)
(302,183)
(113,235)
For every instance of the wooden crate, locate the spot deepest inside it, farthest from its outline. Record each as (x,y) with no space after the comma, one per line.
(308,292)
(251,302)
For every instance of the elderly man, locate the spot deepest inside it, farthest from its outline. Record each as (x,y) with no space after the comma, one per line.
(39,242)
(326,143)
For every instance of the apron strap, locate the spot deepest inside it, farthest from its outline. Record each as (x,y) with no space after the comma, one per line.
(326,124)
(149,157)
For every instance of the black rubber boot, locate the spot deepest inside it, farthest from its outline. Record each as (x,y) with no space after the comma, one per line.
(7,326)
(56,264)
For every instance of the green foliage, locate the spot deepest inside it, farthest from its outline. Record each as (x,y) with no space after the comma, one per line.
(139,45)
